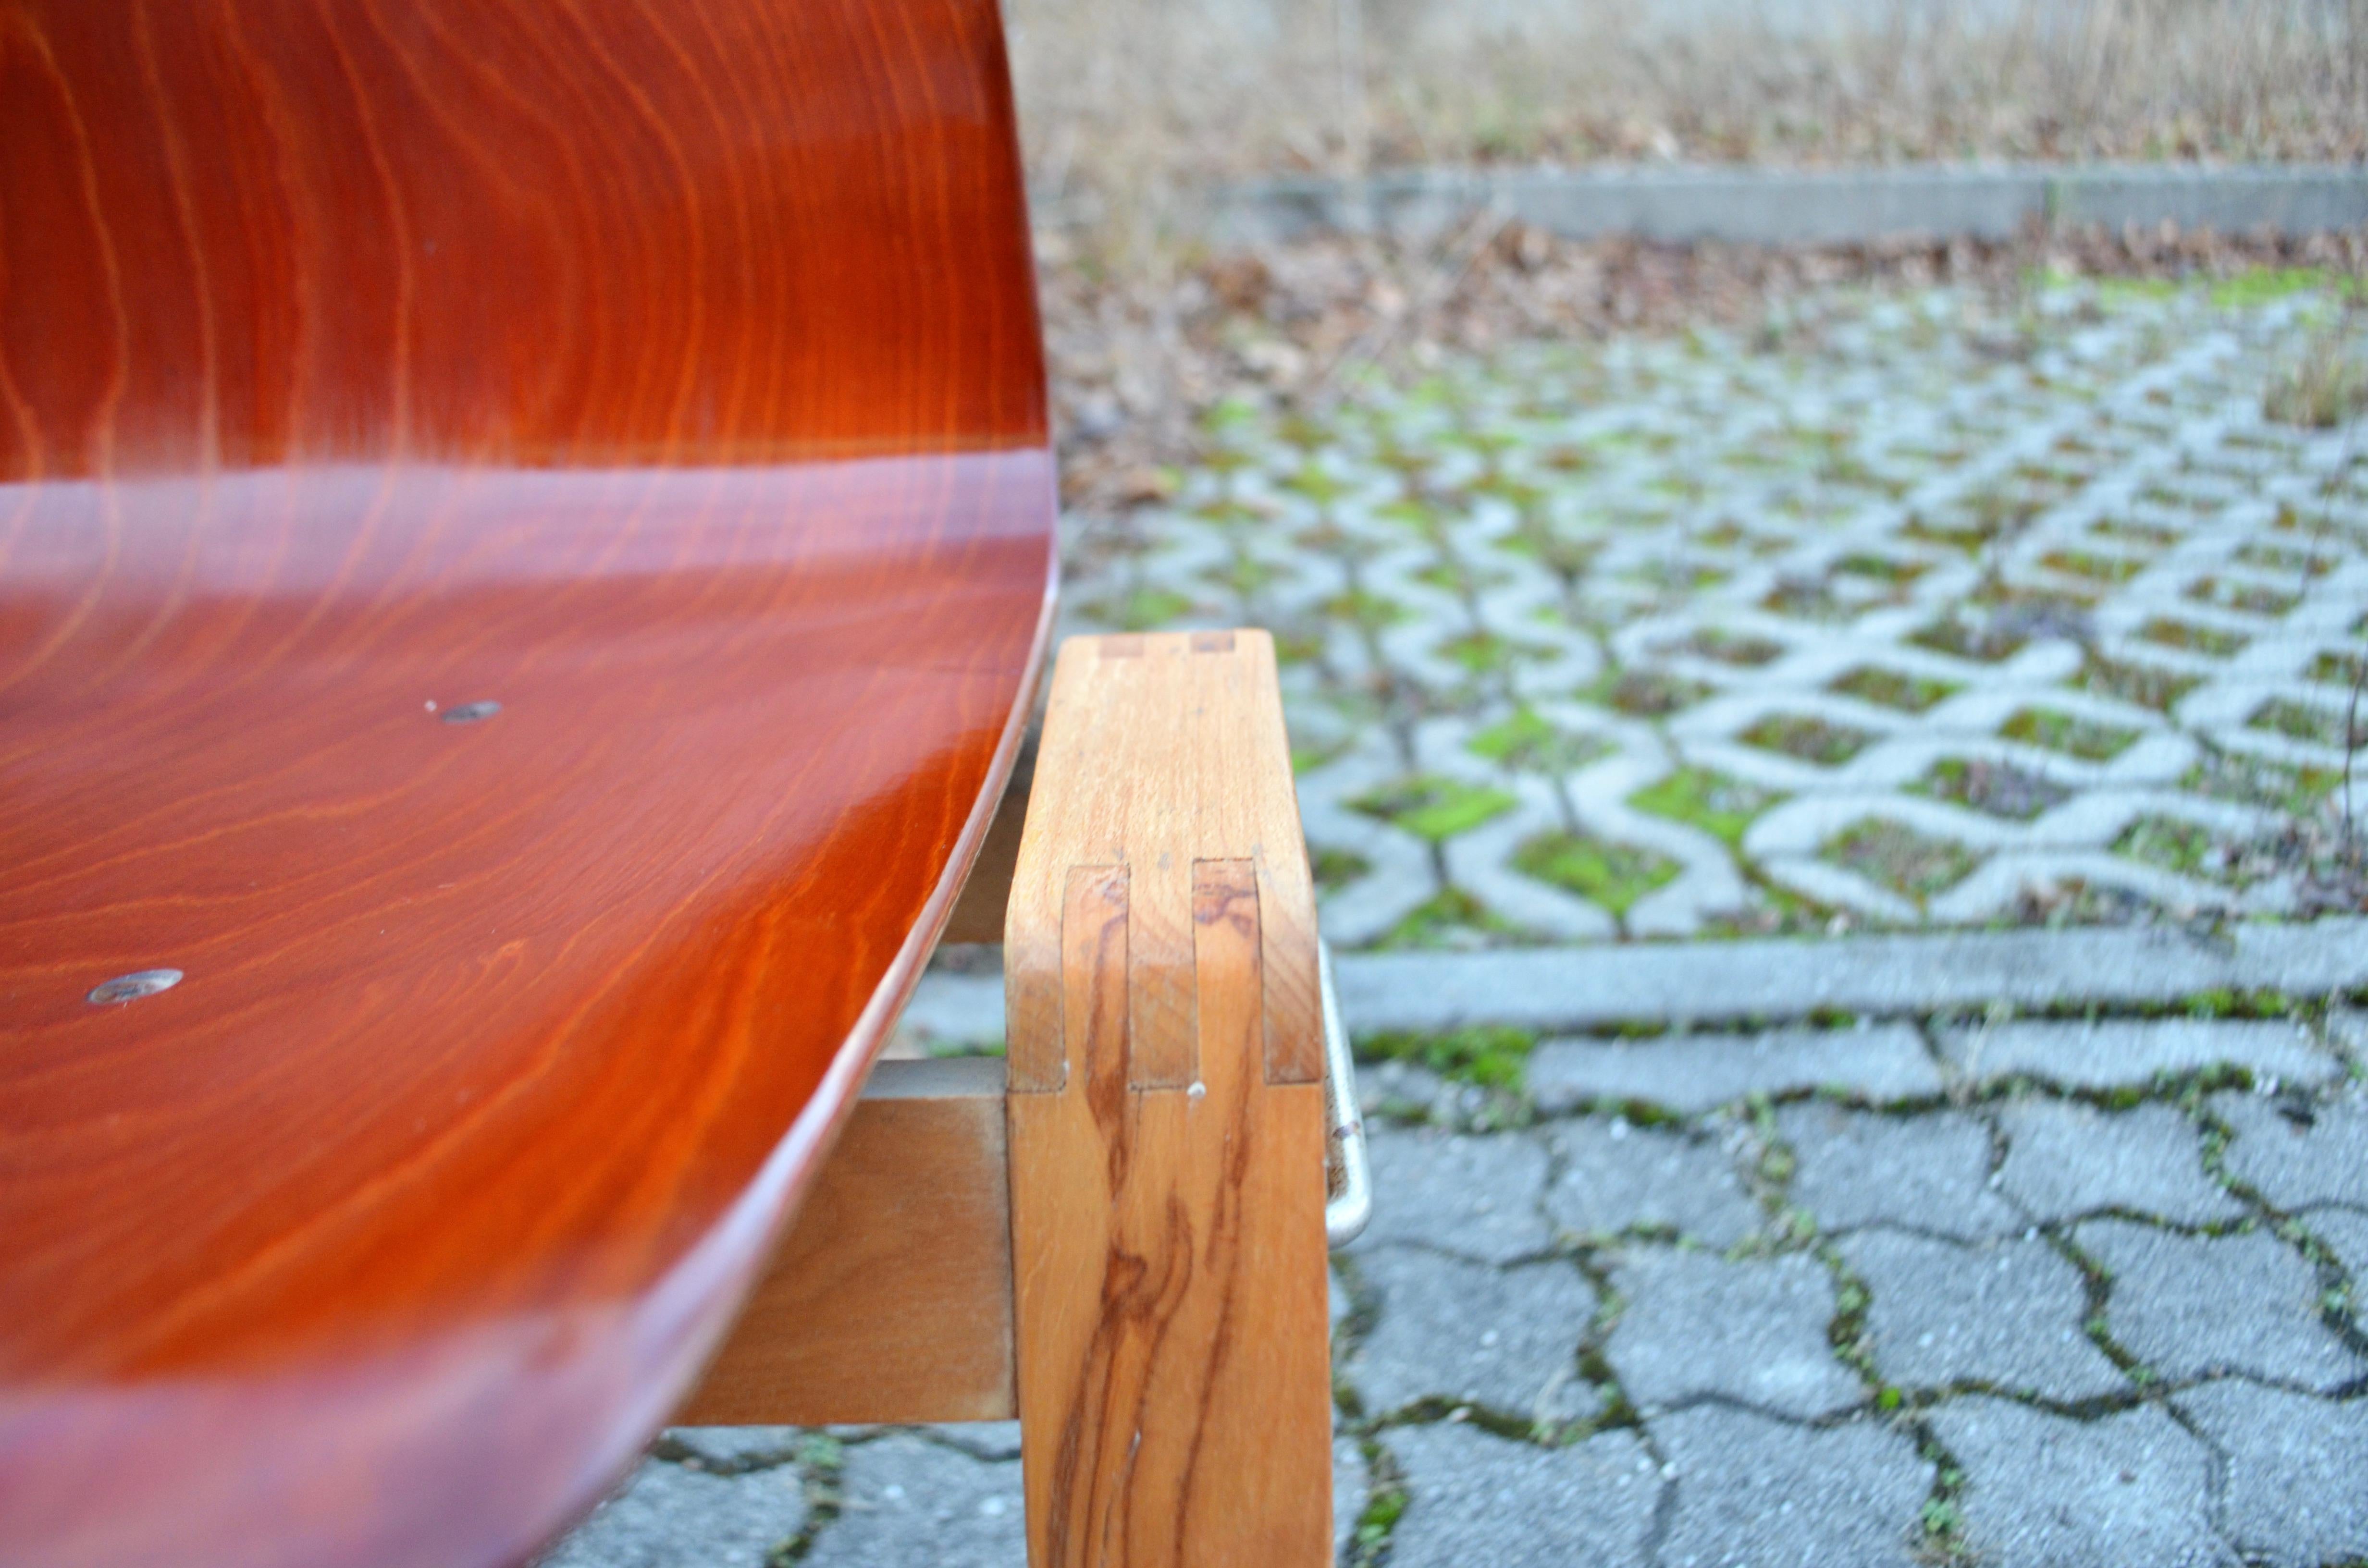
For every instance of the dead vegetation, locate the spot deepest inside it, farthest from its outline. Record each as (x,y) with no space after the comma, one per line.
(1139,360)
(1128,105)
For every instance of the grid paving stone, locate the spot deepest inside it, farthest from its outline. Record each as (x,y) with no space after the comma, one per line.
(1506,1339)
(2201,1306)
(1691,1074)
(1475,1498)
(1615,1177)
(1924,1173)
(2295,1154)
(2042,1491)
(908,1503)
(1753,1490)
(2065,607)
(2064,1159)
(2130,1053)
(668,1517)
(1476,1195)
(1754,1331)
(2291,1495)
(2005,1315)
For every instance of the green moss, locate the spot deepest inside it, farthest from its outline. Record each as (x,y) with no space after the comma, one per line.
(1882,568)
(1987,641)
(1336,868)
(1612,875)
(2172,844)
(1529,744)
(1720,806)
(2298,721)
(1807,737)
(2284,559)
(1890,688)
(1894,855)
(1316,482)
(1362,607)
(2193,638)
(2230,775)
(1432,807)
(2261,285)
(2154,535)
(1454,919)
(2089,564)
(2248,598)
(2083,738)
(1999,788)
(1491,1055)
(1729,648)
(1485,652)
(1142,610)
(2341,668)
(2148,686)
(1644,694)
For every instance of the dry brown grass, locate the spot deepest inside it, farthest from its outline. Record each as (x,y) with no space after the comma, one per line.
(1127,105)
(1138,360)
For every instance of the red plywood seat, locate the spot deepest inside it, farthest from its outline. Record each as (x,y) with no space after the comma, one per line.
(656,392)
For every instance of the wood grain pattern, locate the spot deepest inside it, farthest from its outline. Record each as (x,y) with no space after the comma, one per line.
(669,375)
(1175,1386)
(890,1298)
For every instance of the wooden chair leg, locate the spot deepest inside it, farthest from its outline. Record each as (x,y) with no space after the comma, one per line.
(1167,1120)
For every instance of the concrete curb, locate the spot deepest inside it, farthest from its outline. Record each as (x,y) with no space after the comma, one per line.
(1709,982)
(1732,981)
(1777,206)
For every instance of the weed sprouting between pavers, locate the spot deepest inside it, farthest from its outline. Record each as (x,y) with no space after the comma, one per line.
(1610,874)
(822,1470)
(1915,864)
(1490,1056)
(1699,798)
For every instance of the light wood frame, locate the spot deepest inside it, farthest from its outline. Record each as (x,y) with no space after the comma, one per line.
(1116,1234)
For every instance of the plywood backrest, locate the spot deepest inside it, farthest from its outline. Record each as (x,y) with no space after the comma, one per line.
(609,233)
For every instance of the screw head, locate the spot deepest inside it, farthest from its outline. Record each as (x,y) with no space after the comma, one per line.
(470,712)
(132,987)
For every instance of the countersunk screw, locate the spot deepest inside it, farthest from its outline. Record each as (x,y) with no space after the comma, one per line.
(132,987)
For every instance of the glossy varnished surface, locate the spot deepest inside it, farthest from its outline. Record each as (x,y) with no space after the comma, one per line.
(666,374)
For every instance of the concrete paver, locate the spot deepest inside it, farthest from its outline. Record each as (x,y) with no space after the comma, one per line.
(1929,1172)
(2005,1315)
(1506,1339)
(667,1517)
(2041,1490)
(1699,1326)
(1754,1490)
(2292,1495)
(1694,1074)
(1477,1498)
(908,1503)
(2130,1053)
(2295,1154)
(2064,1159)
(1615,1177)
(2205,1306)
(1474,1196)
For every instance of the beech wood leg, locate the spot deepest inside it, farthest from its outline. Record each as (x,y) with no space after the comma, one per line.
(1122,1238)
(1167,1117)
